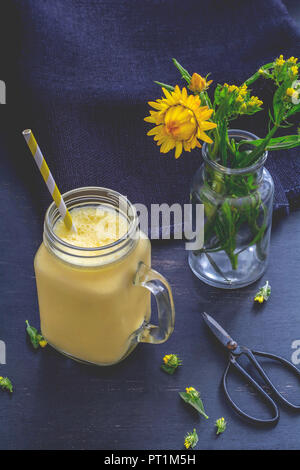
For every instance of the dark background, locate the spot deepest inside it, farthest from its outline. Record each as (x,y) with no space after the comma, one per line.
(57,403)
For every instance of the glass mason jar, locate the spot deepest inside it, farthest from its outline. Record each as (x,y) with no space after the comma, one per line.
(238,205)
(95,302)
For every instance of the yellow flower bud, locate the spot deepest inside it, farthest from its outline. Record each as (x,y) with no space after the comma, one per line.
(294,70)
(280,61)
(259,299)
(292,60)
(198,83)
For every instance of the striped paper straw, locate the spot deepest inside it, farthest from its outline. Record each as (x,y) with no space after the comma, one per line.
(48,178)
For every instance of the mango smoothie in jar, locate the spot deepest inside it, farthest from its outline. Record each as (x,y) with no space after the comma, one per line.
(94,284)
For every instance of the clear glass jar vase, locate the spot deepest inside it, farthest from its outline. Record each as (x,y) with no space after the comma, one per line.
(238,205)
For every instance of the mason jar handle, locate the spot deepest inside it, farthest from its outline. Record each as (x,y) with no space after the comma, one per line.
(160,288)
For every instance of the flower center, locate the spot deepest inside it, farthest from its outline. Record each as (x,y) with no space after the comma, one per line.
(180,122)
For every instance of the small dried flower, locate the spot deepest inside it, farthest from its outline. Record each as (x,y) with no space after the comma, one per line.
(263,294)
(36,338)
(6,384)
(192,397)
(221,425)
(171,363)
(191,439)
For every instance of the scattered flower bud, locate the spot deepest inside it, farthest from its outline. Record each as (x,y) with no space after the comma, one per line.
(35,337)
(221,425)
(6,384)
(192,397)
(170,363)
(263,293)
(191,439)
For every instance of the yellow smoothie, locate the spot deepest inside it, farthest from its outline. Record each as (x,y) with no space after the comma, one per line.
(89,308)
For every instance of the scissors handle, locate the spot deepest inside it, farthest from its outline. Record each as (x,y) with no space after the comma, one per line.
(251,355)
(249,379)
(263,374)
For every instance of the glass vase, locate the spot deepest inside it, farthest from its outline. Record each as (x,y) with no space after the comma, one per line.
(238,205)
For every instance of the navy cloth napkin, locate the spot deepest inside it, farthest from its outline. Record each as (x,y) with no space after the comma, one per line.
(80,73)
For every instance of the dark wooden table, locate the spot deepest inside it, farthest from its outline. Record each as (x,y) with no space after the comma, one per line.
(60,404)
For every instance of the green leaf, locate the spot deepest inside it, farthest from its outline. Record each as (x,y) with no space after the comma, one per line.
(277,143)
(295,109)
(256,75)
(194,402)
(169,370)
(164,85)
(184,73)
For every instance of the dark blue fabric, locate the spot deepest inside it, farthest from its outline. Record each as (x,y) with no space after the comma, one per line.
(80,73)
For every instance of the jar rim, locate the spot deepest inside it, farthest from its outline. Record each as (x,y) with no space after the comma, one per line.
(235,171)
(73,196)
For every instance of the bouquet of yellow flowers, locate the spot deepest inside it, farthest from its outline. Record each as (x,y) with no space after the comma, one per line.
(232,185)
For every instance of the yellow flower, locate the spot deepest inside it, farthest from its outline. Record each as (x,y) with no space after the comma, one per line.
(294,70)
(290,91)
(191,439)
(259,299)
(243,90)
(180,121)
(293,60)
(255,101)
(198,83)
(167,358)
(261,71)
(190,389)
(231,88)
(280,61)
(187,443)
(221,425)
(43,343)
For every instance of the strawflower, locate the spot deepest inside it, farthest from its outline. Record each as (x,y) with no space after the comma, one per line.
(198,83)
(180,121)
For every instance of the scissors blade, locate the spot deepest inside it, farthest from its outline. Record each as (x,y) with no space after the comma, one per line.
(219,332)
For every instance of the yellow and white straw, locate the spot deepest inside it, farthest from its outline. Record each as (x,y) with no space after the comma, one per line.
(48,178)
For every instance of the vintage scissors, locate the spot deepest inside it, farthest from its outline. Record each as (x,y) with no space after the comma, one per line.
(236,351)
